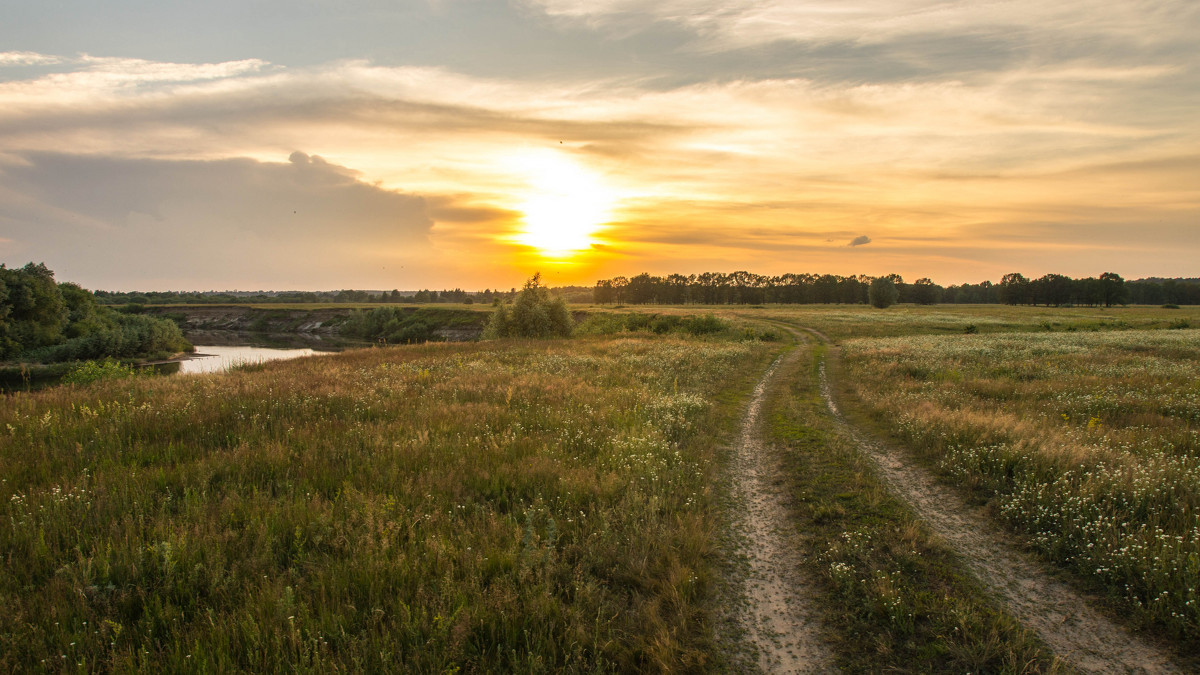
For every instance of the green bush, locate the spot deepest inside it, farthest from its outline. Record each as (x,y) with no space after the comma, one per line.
(95,371)
(536,313)
(704,325)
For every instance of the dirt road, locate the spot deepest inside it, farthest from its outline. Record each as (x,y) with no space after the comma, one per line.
(776,600)
(1077,632)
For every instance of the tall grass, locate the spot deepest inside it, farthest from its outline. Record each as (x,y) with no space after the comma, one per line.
(897,597)
(857,321)
(1089,442)
(503,507)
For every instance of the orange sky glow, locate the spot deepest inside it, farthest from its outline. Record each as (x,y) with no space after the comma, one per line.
(469,144)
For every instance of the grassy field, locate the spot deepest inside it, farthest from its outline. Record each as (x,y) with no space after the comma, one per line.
(894,596)
(842,322)
(503,507)
(1087,442)
(554,506)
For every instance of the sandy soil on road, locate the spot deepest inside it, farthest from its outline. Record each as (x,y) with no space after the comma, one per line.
(776,611)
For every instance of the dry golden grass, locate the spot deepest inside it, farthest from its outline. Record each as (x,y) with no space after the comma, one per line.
(1089,442)
(514,507)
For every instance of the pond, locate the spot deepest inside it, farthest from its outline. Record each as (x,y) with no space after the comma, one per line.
(219,358)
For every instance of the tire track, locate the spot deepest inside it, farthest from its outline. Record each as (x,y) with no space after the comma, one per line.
(776,609)
(1077,633)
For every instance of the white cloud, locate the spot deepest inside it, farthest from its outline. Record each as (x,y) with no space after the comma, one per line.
(739,23)
(27,59)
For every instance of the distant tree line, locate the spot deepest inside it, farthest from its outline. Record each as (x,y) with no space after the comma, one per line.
(45,321)
(746,288)
(456,295)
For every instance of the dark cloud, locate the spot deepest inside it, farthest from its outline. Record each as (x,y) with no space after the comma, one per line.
(452,210)
(305,221)
(859,240)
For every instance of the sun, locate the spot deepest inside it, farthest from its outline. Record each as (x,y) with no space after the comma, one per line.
(564,204)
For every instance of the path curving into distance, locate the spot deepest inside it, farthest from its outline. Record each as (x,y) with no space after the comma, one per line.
(776,610)
(1077,633)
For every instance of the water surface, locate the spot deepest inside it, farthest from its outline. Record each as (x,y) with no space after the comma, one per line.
(219,358)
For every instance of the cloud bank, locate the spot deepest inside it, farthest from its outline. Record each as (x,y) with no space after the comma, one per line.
(967,137)
(182,222)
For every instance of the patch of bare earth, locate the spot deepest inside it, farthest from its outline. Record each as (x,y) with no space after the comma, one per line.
(775,611)
(1077,633)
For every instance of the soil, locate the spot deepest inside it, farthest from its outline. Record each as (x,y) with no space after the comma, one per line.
(1062,617)
(775,613)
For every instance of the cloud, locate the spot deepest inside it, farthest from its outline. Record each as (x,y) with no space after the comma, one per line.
(27,59)
(859,240)
(704,166)
(740,23)
(285,224)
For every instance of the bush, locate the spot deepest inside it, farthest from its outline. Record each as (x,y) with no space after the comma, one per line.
(704,325)
(536,313)
(134,336)
(95,371)
(393,325)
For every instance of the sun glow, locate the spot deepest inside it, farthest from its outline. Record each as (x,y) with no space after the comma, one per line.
(565,205)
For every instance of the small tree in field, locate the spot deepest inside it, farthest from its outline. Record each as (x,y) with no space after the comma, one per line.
(882,292)
(536,313)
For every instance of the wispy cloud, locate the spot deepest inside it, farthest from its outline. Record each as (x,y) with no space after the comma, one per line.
(737,23)
(746,163)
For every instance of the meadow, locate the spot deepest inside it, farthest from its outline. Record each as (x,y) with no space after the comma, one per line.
(1087,442)
(501,506)
(558,505)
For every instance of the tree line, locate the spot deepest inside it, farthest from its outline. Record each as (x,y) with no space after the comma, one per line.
(456,295)
(747,288)
(44,321)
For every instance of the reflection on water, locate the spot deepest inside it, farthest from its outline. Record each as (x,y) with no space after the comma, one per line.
(215,359)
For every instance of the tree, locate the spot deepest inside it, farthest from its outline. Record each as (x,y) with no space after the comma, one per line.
(1014,289)
(642,289)
(1112,289)
(925,292)
(37,314)
(536,313)
(604,292)
(882,292)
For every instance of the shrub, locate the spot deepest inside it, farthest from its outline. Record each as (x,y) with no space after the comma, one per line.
(393,325)
(95,371)
(536,313)
(703,325)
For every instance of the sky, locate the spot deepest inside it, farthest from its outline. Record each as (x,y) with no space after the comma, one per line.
(322,144)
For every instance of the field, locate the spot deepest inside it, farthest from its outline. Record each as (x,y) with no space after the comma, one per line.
(566,505)
(526,507)
(1088,442)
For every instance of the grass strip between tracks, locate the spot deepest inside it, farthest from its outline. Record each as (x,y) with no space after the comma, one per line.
(897,599)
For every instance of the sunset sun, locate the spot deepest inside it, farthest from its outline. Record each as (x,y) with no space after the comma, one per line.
(564,206)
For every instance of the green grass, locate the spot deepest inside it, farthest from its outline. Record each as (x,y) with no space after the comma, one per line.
(494,507)
(896,599)
(841,322)
(1086,442)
